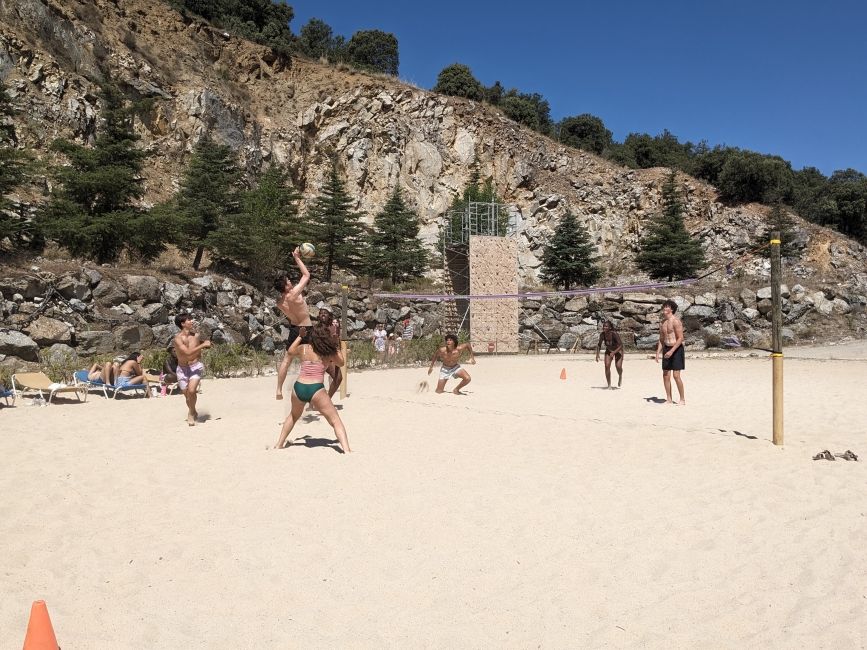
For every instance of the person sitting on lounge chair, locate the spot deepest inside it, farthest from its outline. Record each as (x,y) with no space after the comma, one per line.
(131,372)
(104,372)
(170,367)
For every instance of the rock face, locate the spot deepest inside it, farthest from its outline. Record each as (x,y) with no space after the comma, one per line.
(382,133)
(245,315)
(18,345)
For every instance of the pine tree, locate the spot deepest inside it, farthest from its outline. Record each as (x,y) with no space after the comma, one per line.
(93,214)
(781,221)
(394,250)
(263,233)
(208,195)
(569,259)
(335,228)
(667,250)
(13,173)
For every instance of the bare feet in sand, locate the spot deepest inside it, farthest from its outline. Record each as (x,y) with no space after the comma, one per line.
(278,396)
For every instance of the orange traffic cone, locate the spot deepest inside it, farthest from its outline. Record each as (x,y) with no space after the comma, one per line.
(563,374)
(40,634)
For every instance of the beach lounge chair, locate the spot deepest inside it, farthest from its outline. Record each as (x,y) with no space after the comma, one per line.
(130,388)
(80,378)
(154,379)
(29,383)
(5,394)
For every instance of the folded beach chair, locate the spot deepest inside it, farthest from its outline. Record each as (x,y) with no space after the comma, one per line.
(5,394)
(29,383)
(80,378)
(154,378)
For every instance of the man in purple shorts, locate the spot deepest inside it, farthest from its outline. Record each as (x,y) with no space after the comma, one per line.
(190,370)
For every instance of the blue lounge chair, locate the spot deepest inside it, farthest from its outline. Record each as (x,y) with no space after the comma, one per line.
(145,387)
(6,394)
(80,378)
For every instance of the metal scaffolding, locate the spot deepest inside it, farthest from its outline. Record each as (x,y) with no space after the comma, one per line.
(477,218)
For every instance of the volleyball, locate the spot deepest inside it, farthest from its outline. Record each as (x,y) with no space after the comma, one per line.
(307,250)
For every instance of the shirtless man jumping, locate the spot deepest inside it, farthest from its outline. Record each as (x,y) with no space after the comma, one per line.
(294,307)
(671,346)
(450,355)
(190,368)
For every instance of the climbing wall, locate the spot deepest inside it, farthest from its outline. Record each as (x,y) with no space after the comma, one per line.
(494,270)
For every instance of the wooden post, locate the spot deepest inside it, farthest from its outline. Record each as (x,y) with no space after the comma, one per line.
(777,337)
(344,306)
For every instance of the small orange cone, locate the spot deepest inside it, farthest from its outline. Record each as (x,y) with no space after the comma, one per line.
(40,634)
(563,374)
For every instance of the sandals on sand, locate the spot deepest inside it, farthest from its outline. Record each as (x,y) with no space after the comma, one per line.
(827,455)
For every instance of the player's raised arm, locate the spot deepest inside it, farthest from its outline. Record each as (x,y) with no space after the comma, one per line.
(305,274)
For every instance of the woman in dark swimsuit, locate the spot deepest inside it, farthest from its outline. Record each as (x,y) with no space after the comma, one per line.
(613,351)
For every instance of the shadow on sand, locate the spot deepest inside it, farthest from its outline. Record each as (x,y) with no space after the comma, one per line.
(307,441)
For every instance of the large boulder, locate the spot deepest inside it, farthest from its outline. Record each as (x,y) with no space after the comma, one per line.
(109,293)
(130,337)
(58,353)
(205,282)
(630,308)
(173,293)
(28,288)
(797,311)
(143,287)
(95,342)
(71,287)
(11,286)
(578,303)
(18,345)
(47,331)
(163,334)
(748,298)
(153,314)
(644,297)
(703,312)
(646,342)
(706,299)
(93,276)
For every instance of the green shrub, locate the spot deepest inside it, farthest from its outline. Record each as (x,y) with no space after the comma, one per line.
(155,359)
(60,369)
(225,359)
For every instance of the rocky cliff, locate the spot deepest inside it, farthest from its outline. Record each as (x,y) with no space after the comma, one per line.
(383,132)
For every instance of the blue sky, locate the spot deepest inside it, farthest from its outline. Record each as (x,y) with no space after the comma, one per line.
(788,78)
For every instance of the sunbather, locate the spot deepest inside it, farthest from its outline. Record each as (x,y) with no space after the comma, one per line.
(105,372)
(131,372)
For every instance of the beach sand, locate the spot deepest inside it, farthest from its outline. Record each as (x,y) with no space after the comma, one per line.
(532,512)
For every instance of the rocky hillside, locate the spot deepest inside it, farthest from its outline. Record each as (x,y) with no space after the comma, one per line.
(382,131)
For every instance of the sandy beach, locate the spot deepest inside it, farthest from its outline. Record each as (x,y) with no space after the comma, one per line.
(532,512)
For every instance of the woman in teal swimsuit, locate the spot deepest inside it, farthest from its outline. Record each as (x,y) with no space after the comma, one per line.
(310,387)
